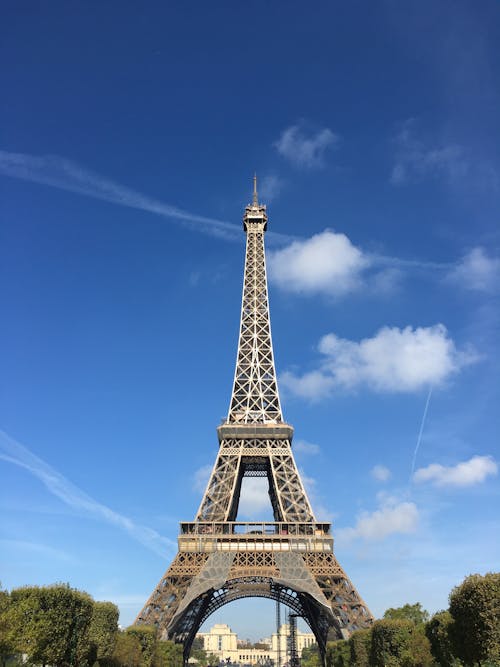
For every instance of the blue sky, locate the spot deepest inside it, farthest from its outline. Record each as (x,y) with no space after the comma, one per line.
(128,139)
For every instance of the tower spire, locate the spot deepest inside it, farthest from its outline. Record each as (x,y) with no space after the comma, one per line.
(255,197)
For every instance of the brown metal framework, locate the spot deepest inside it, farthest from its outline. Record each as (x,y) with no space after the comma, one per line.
(290,560)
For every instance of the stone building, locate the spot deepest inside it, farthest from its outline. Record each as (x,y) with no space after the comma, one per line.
(224,643)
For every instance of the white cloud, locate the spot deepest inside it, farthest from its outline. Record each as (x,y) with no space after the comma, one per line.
(270,187)
(477,271)
(314,385)
(380,473)
(321,512)
(304,447)
(201,477)
(303,150)
(325,263)
(254,497)
(329,263)
(466,473)
(65,174)
(394,360)
(391,518)
(71,495)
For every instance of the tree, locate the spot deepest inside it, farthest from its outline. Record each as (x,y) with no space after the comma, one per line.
(6,647)
(359,645)
(408,612)
(390,641)
(338,654)
(437,631)
(146,635)
(310,656)
(475,608)
(399,642)
(50,624)
(419,652)
(200,655)
(103,630)
(127,651)
(168,654)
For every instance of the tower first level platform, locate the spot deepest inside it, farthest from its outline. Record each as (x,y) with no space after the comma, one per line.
(293,563)
(255,536)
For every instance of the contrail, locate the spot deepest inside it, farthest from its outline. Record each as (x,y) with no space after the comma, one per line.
(422,423)
(71,495)
(59,172)
(410,263)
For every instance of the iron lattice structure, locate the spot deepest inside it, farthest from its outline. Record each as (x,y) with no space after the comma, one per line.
(290,560)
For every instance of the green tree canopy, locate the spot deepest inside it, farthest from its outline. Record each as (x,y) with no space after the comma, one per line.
(408,612)
(103,630)
(168,654)
(146,635)
(50,624)
(338,654)
(475,608)
(127,651)
(438,634)
(390,642)
(310,656)
(6,647)
(360,644)
(419,651)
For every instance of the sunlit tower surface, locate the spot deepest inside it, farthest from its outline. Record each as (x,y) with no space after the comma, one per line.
(220,559)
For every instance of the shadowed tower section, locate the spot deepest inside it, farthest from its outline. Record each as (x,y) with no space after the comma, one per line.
(290,559)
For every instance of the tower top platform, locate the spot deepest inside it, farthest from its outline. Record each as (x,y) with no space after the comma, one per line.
(255,216)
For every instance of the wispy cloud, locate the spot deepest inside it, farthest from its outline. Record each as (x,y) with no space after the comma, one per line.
(321,511)
(270,187)
(201,477)
(380,473)
(34,548)
(306,448)
(393,360)
(71,495)
(390,518)
(305,150)
(477,271)
(417,158)
(59,172)
(465,473)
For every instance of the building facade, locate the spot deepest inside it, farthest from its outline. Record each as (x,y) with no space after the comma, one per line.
(224,643)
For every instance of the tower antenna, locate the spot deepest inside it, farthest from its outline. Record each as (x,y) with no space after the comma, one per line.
(255,197)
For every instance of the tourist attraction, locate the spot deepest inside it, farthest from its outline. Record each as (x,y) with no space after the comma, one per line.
(290,560)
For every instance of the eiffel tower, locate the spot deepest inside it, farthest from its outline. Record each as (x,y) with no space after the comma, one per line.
(220,560)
